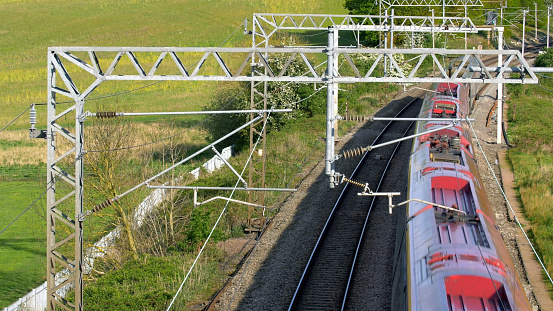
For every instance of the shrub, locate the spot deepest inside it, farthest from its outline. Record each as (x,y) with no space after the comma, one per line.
(545,59)
(281,95)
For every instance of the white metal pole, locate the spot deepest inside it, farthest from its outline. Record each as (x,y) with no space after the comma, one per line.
(523,29)
(433,45)
(433,28)
(536,20)
(329,158)
(391,30)
(465,5)
(499,86)
(386,43)
(79,195)
(501,14)
(51,192)
(548,15)
(335,90)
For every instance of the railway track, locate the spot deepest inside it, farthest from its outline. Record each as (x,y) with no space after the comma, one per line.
(328,273)
(370,284)
(332,280)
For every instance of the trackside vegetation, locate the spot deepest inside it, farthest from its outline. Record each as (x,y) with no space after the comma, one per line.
(147,264)
(529,115)
(105,23)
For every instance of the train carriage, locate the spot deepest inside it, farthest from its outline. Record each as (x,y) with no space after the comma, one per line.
(455,256)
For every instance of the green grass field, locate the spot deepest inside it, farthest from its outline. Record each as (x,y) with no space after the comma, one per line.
(530,114)
(28,28)
(23,245)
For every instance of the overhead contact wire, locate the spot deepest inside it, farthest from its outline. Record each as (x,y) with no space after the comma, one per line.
(25,210)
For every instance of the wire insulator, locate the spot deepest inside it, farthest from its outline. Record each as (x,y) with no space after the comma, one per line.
(353,182)
(358,118)
(354,152)
(32,116)
(102,205)
(106,114)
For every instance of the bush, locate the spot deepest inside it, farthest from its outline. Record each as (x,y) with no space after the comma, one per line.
(139,285)
(545,59)
(298,96)
(199,227)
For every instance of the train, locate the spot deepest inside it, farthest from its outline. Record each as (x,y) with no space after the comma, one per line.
(452,255)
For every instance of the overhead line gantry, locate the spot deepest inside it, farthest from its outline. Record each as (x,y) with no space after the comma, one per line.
(65,64)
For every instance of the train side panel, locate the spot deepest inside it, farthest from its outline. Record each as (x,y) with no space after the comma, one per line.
(455,257)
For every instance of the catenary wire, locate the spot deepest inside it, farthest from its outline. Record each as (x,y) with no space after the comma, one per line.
(36,200)
(541,87)
(12,121)
(145,86)
(278,202)
(48,186)
(220,216)
(457,177)
(209,118)
(115,94)
(539,74)
(25,210)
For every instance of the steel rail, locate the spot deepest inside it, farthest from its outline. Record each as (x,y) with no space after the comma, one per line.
(336,205)
(368,214)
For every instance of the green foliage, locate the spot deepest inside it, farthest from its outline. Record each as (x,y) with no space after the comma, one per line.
(303,98)
(365,7)
(139,285)
(150,283)
(530,114)
(199,227)
(545,59)
(98,23)
(218,125)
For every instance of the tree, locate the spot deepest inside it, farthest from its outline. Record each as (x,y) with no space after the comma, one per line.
(109,173)
(371,7)
(281,95)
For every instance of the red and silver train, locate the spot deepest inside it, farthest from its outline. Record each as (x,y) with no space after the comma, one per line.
(454,257)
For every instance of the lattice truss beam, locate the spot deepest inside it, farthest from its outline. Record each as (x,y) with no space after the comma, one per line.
(447,3)
(229,64)
(265,25)
(272,22)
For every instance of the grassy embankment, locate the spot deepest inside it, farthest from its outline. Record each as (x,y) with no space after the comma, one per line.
(530,114)
(29,27)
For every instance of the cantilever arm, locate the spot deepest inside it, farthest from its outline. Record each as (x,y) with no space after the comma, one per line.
(196,203)
(430,203)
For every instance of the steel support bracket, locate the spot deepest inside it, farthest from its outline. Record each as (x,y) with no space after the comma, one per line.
(36,133)
(382,194)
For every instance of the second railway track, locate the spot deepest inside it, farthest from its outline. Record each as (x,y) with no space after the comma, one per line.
(325,278)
